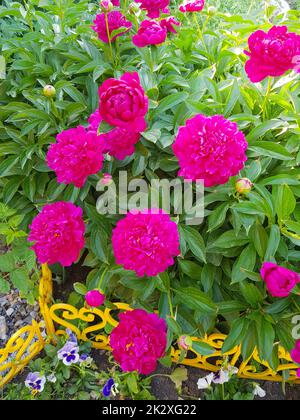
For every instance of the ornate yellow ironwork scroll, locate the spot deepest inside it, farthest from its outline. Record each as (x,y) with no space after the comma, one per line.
(91,324)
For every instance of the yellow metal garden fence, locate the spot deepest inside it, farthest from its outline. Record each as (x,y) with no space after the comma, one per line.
(29,341)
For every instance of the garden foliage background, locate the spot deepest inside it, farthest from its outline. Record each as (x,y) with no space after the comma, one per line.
(215,284)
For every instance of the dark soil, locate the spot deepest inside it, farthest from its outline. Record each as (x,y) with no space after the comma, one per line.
(164,389)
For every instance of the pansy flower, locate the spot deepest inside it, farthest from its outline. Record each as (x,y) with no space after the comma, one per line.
(35,381)
(69,353)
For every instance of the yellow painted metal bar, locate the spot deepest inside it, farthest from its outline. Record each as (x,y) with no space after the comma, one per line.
(26,343)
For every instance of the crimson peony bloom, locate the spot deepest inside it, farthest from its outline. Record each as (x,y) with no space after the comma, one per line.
(146,242)
(169,23)
(153,7)
(150,33)
(115,21)
(192,6)
(210,148)
(272,53)
(279,280)
(139,341)
(94,298)
(58,233)
(118,142)
(123,103)
(94,121)
(76,154)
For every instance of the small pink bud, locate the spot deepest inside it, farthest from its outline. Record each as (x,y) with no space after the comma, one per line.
(185,342)
(243,186)
(49,91)
(106,6)
(94,298)
(106,180)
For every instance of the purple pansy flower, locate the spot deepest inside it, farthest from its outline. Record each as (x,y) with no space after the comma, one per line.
(69,353)
(35,381)
(107,387)
(72,336)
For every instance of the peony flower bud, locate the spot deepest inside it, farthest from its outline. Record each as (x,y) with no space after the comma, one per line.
(49,91)
(243,185)
(106,180)
(94,298)
(212,10)
(106,6)
(185,342)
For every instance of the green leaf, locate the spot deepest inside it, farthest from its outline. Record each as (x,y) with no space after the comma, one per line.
(190,268)
(268,148)
(99,244)
(202,348)
(195,299)
(229,239)
(4,286)
(7,262)
(284,201)
(163,282)
(218,216)
(179,375)
(266,336)
(171,101)
(273,243)
(247,261)
(20,279)
(262,129)
(251,294)
(174,326)
(80,288)
(237,333)
(132,384)
(195,242)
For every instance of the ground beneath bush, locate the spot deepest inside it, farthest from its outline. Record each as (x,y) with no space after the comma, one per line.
(164,389)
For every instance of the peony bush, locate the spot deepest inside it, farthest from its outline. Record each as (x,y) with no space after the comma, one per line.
(160,89)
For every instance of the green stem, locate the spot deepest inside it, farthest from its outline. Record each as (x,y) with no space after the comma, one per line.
(223,392)
(109,39)
(170,304)
(265,102)
(200,32)
(102,278)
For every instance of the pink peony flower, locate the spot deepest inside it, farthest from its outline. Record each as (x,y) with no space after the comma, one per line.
(94,298)
(210,148)
(123,103)
(150,33)
(94,121)
(153,7)
(119,142)
(58,233)
(139,341)
(279,280)
(295,353)
(170,23)
(146,242)
(115,2)
(76,154)
(272,53)
(192,6)
(115,21)
(298,373)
